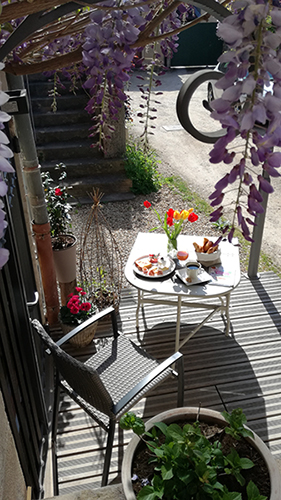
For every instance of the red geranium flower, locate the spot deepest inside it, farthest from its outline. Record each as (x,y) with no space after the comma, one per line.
(147,204)
(192,217)
(74,309)
(86,306)
(58,192)
(78,289)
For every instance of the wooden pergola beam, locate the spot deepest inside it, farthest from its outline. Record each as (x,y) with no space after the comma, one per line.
(51,64)
(25,8)
(40,19)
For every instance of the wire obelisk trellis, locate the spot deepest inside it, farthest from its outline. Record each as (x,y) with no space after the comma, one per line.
(100,262)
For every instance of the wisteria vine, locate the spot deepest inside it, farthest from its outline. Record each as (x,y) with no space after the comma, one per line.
(248,108)
(109,56)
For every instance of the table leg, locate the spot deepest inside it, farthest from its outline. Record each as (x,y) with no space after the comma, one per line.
(227,303)
(178,324)
(225,310)
(138,307)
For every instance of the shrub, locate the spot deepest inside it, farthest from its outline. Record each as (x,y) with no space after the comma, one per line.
(141,168)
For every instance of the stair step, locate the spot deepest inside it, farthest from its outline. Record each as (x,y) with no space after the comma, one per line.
(86,167)
(116,196)
(50,118)
(109,184)
(61,151)
(42,88)
(64,102)
(62,133)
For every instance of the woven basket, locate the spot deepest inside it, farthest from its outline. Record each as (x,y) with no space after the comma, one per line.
(83,338)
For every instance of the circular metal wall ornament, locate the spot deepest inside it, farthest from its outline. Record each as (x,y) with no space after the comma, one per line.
(197,92)
(213,8)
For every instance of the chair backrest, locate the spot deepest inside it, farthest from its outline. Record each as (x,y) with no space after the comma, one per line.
(84,380)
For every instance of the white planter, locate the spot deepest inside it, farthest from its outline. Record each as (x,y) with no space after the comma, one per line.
(206,416)
(65,261)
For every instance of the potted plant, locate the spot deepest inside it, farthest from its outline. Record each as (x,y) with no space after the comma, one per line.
(63,242)
(195,454)
(77,310)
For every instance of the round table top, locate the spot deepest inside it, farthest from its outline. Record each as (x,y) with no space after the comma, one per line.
(226,279)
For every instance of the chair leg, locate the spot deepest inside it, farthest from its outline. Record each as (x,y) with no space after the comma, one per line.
(108,452)
(180,370)
(54,435)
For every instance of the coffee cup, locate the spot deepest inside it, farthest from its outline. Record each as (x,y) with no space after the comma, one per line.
(193,269)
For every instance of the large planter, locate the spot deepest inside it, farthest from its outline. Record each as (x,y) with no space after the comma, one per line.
(65,259)
(84,338)
(207,416)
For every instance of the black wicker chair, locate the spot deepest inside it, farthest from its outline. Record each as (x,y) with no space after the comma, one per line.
(109,383)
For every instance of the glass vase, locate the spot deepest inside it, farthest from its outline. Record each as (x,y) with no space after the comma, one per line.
(172,247)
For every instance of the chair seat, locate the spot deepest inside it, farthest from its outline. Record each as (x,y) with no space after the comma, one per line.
(121,364)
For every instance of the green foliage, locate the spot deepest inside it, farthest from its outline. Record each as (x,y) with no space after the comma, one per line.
(221,224)
(180,186)
(141,168)
(131,421)
(236,421)
(253,492)
(57,199)
(234,465)
(188,465)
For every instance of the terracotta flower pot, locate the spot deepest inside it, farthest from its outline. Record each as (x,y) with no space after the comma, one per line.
(83,338)
(207,416)
(65,259)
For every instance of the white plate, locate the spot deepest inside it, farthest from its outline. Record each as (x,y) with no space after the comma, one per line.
(200,279)
(167,272)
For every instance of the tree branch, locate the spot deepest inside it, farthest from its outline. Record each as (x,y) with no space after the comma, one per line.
(24,8)
(152,39)
(157,20)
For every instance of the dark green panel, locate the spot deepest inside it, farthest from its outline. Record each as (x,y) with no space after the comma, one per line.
(198,46)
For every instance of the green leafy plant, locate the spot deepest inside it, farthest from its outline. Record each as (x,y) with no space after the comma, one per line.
(58,206)
(221,224)
(236,421)
(190,466)
(141,168)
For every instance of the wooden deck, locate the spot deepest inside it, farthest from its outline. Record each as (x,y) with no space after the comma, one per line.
(242,370)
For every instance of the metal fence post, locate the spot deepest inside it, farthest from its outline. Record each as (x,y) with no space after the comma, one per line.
(257,235)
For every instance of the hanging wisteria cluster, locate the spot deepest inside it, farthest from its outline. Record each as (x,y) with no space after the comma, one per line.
(249,106)
(156,68)
(109,56)
(5,167)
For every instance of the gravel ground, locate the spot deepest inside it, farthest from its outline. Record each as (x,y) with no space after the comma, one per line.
(127,218)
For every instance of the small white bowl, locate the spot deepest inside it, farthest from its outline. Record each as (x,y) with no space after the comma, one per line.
(208,259)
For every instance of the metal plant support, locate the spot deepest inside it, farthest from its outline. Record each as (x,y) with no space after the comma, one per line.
(100,262)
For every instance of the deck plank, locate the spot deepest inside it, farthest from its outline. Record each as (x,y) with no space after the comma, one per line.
(241,370)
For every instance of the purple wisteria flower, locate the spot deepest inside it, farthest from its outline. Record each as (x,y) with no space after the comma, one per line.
(249,106)
(5,166)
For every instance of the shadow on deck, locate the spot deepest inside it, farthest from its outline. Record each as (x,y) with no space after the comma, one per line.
(242,370)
